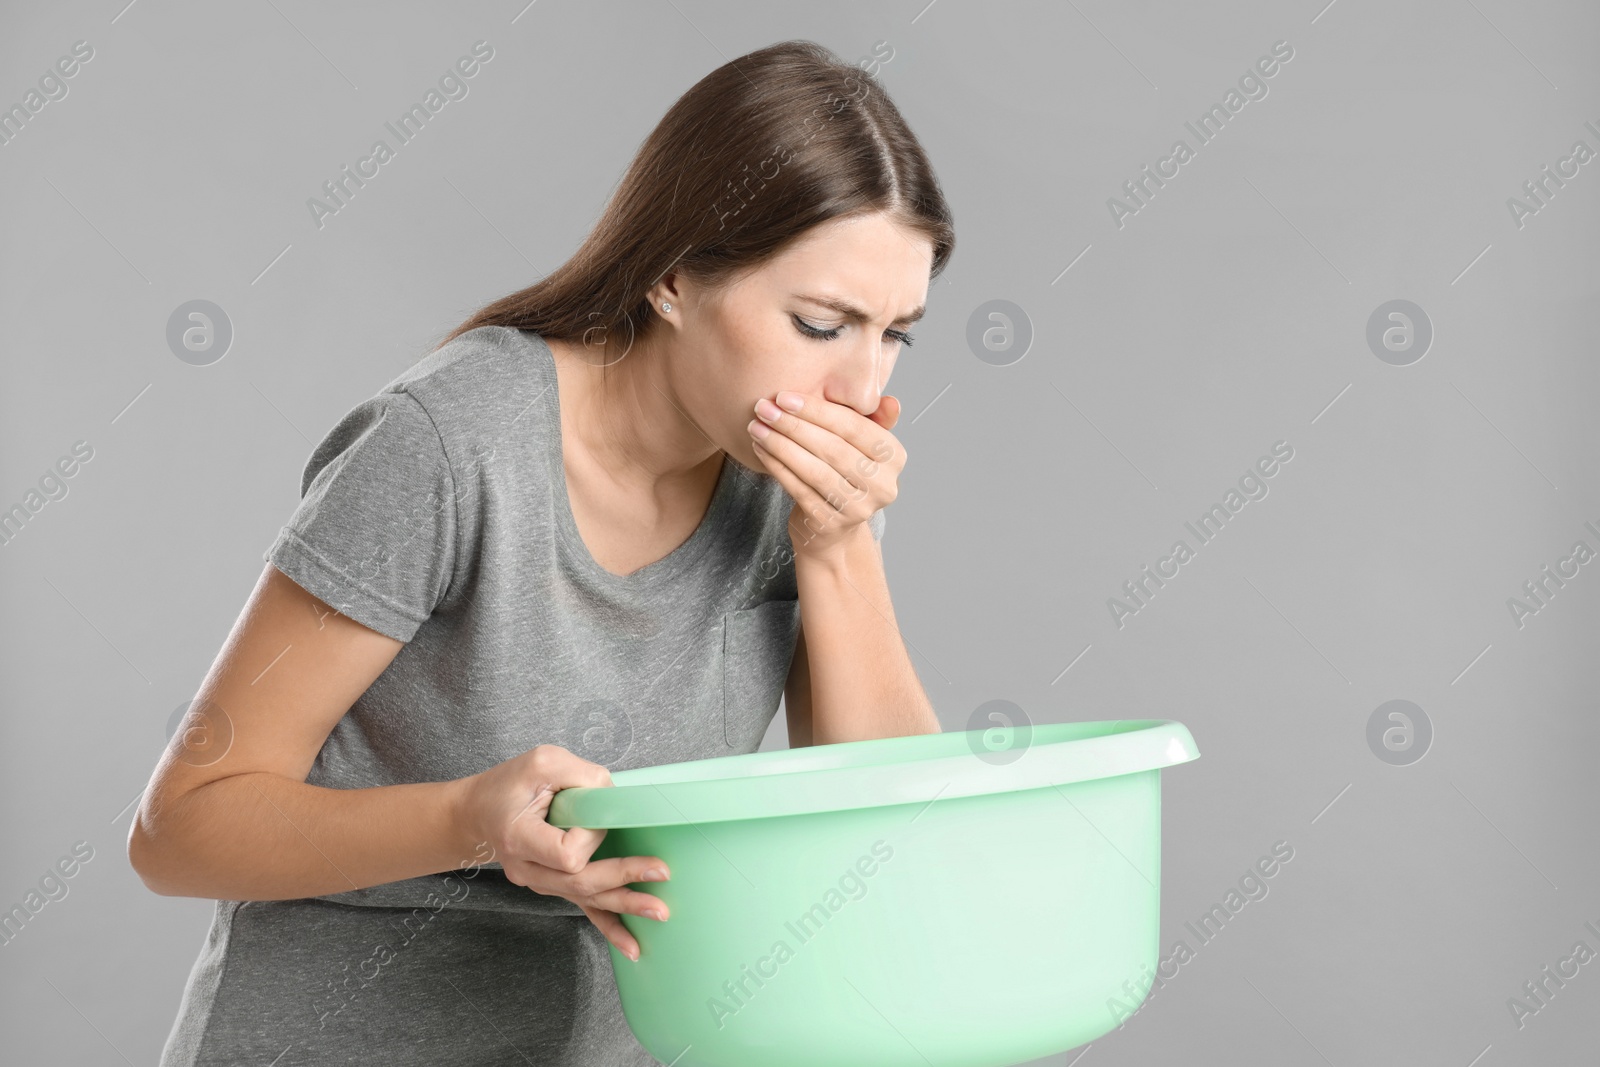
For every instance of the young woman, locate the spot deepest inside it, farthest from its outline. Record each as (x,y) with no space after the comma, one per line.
(576,537)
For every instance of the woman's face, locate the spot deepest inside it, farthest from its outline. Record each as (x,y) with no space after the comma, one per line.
(756,339)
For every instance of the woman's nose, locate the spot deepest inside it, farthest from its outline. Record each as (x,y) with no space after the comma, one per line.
(861,395)
(860,385)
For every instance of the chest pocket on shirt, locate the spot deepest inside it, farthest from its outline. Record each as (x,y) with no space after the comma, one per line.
(758,646)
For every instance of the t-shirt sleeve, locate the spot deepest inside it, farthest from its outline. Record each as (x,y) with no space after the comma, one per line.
(876,522)
(374,535)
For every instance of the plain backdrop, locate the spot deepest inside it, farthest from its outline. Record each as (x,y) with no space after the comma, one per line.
(1140,361)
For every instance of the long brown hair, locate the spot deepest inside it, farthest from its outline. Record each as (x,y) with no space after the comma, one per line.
(755,153)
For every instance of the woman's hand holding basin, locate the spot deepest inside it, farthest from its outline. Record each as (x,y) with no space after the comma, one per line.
(507,806)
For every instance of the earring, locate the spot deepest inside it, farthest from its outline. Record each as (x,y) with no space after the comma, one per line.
(665,306)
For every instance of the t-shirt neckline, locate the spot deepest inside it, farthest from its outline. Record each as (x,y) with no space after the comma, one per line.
(668,566)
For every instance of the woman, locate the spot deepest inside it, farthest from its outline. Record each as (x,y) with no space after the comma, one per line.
(557,546)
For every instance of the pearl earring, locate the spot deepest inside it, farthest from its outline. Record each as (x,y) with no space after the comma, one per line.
(665,306)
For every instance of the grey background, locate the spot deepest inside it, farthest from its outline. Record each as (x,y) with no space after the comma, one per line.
(1228,314)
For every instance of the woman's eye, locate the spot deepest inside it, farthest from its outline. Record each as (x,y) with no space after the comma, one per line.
(815,331)
(828,334)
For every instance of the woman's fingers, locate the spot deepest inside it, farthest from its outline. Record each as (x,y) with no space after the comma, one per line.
(821,513)
(827,466)
(603,883)
(633,902)
(605,910)
(549,769)
(888,412)
(610,924)
(556,862)
(531,837)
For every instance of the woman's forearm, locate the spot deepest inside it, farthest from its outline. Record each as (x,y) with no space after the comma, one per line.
(862,682)
(261,836)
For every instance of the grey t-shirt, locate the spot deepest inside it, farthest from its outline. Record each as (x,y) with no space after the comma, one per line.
(437,512)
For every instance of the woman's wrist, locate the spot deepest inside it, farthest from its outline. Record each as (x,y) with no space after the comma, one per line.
(841,556)
(461,821)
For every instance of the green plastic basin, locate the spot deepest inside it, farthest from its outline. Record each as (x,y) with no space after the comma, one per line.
(965,899)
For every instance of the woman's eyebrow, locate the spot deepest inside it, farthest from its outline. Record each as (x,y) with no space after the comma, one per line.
(849,310)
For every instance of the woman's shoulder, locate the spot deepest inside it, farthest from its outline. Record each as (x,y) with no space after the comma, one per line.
(482,362)
(486,385)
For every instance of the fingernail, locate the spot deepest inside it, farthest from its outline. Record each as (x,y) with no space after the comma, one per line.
(634,955)
(766,409)
(759,428)
(655,874)
(791,401)
(657,914)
